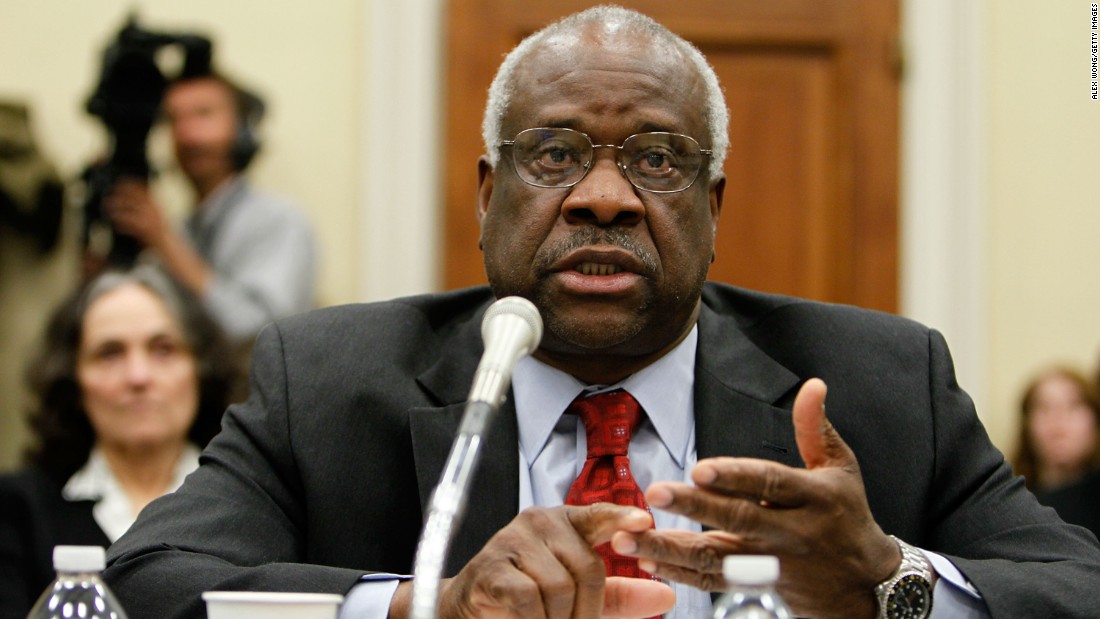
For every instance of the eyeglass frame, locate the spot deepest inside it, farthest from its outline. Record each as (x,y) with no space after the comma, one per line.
(703,152)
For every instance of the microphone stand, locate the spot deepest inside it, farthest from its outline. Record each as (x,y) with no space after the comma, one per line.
(448,502)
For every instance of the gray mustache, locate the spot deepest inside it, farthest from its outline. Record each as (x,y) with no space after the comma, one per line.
(592,236)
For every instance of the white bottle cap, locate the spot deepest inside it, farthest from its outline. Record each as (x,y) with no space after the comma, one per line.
(751,569)
(79,558)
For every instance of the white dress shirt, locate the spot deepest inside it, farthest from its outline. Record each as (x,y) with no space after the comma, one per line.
(113,512)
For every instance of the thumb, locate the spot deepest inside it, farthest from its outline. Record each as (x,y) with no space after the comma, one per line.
(818,442)
(629,598)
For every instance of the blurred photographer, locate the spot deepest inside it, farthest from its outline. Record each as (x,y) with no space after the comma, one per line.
(247,254)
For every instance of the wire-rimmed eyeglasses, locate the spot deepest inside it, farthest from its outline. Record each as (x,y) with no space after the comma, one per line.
(556,157)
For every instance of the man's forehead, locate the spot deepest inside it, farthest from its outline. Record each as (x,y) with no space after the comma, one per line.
(627,118)
(205,89)
(568,79)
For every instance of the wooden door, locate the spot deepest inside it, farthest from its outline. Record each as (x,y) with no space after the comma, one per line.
(811,197)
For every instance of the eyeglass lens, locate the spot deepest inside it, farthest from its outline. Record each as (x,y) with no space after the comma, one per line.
(558,157)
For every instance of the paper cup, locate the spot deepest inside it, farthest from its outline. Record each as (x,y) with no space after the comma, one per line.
(271,605)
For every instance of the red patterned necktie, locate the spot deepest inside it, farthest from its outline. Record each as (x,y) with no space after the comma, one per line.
(609,421)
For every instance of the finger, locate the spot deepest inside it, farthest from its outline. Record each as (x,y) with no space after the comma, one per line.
(707,508)
(691,558)
(596,523)
(818,442)
(703,581)
(535,567)
(118,206)
(581,592)
(632,598)
(765,482)
(560,559)
(126,190)
(562,565)
(573,583)
(767,526)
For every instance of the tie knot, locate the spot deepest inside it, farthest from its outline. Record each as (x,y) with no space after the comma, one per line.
(609,421)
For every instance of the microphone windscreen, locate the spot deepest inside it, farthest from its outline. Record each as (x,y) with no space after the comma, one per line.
(517,307)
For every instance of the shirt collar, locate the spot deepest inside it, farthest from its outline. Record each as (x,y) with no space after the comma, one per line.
(113,511)
(664,389)
(217,201)
(95,480)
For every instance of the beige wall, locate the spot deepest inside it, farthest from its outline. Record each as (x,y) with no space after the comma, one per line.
(306,59)
(1043,215)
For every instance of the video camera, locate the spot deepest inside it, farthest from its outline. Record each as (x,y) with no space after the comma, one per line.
(127,100)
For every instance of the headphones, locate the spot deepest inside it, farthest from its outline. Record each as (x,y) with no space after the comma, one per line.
(250,111)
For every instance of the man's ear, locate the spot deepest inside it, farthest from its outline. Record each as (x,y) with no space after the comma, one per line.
(484,186)
(717,191)
(484,193)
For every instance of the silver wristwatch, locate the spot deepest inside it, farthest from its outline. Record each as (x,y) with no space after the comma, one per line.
(907,594)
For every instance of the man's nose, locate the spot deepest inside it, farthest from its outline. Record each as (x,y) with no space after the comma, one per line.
(603,197)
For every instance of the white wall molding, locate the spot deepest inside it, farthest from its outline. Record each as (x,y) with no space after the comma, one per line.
(943,196)
(399,158)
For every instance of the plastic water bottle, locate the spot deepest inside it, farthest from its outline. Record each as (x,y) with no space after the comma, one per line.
(751,594)
(78,591)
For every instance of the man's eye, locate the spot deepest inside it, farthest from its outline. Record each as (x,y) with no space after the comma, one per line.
(655,161)
(557,156)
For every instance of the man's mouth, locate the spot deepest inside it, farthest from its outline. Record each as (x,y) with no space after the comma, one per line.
(596,268)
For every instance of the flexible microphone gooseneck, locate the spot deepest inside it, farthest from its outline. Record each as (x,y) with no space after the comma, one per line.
(511,329)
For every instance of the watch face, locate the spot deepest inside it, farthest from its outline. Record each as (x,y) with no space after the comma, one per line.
(909,599)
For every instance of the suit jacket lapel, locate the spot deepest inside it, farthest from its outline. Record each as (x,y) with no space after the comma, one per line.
(494,491)
(740,393)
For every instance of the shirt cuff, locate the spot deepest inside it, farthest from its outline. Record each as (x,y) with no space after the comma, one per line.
(954,597)
(370,597)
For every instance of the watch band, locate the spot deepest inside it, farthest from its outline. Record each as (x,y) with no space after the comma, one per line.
(907,593)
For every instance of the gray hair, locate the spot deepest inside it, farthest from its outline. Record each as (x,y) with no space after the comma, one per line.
(608,17)
(147,276)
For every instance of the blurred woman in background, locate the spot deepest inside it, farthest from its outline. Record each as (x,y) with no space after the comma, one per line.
(1058,450)
(131,383)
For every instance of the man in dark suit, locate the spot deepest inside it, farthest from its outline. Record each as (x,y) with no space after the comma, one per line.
(319,481)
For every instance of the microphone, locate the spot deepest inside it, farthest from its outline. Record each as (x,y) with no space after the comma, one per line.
(511,329)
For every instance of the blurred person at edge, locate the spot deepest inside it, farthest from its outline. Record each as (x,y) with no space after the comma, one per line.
(130,384)
(1058,451)
(249,255)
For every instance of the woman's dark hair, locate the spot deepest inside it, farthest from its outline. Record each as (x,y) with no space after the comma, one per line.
(64,436)
(1026,462)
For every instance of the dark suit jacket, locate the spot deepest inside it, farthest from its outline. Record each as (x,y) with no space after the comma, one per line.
(33,519)
(322,474)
